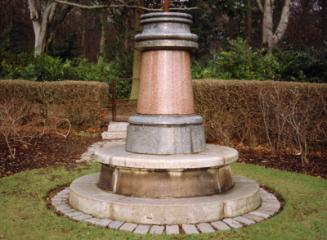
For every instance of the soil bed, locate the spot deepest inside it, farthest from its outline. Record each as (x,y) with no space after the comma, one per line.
(48,150)
(52,149)
(317,165)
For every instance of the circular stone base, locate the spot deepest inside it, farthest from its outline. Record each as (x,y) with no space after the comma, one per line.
(165,134)
(114,154)
(85,196)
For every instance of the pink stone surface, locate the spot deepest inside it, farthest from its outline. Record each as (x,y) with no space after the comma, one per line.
(166,83)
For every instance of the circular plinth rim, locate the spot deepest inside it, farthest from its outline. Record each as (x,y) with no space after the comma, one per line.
(85,196)
(115,154)
(166,120)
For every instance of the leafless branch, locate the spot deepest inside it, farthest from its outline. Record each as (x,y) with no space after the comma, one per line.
(61,121)
(97,7)
(260,5)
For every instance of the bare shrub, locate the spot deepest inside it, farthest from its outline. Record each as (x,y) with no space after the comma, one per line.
(18,124)
(291,119)
(284,116)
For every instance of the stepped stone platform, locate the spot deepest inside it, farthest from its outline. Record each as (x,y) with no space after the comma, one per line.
(85,196)
(270,206)
(116,131)
(165,178)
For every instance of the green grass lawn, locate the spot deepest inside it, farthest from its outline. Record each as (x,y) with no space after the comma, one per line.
(24,214)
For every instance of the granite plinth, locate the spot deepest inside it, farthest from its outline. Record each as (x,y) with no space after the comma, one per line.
(175,183)
(165,134)
(85,196)
(166,30)
(114,154)
(162,176)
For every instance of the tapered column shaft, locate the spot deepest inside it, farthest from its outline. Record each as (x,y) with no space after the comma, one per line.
(166,84)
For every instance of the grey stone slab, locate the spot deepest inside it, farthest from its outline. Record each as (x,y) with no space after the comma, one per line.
(115,224)
(220,226)
(272,203)
(163,140)
(190,229)
(260,214)
(115,154)
(139,119)
(60,197)
(244,220)
(156,229)
(86,195)
(268,210)
(172,229)
(129,227)
(63,207)
(73,214)
(254,217)
(103,222)
(232,223)
(117,126)
(114,135)
(82,217)
(91,220)
(205,228)
(65,191)
(57,202)
(65,210)
(142,229)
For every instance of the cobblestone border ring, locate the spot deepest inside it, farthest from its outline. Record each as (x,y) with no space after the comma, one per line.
(269,207)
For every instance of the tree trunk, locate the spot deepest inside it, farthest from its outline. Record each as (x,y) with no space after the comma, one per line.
(270,38)
(46,17)
(104,35)
(324,18)
(267,25)
(83,32)
(249,20)
(283,23)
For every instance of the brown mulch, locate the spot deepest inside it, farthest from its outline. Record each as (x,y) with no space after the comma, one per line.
(48,150)
(52,149)
(317,165)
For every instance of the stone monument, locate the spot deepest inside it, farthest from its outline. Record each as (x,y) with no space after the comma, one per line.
(165,173)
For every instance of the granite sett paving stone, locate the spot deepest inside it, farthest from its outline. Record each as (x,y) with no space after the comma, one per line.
(220,226)
(260,214)
(115,224)
(253,217)
(205,228)
(142,229)
(244,220)
(232,223)
(91,220)
(156,229)
(73,214)
(103,222)
(82,217)
(65,210)
(190,229)
(268,208)
(129,227)
(172,229)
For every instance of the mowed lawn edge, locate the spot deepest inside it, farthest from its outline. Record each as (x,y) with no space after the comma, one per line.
(24,213)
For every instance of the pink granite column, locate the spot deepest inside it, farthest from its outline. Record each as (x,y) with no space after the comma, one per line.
(166,84)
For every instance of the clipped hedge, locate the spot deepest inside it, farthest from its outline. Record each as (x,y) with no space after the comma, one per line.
(80,102)
(279,114)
